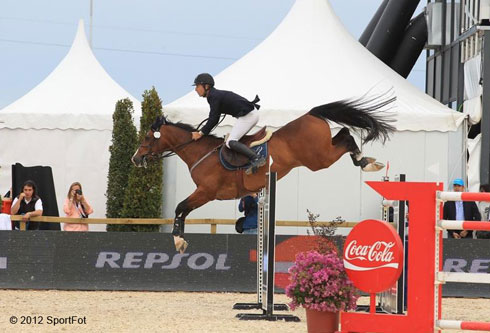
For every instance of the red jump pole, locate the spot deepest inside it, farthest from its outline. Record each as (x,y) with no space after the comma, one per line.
(466,225)
(463,325)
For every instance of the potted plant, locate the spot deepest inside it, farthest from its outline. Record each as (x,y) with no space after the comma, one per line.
(319,282)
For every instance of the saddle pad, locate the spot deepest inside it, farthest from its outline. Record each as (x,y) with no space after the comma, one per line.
(260,150)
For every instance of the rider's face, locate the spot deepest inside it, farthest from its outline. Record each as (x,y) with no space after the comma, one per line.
(200,90)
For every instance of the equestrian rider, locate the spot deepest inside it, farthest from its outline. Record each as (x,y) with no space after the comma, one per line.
(227,102)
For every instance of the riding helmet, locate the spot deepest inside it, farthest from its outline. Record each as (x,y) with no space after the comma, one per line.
(204,78)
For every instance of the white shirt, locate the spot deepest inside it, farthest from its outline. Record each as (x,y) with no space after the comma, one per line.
(38,206)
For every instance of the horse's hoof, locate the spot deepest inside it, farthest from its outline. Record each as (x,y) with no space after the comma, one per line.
(370,160)
(180,244)
(371,167)
(183,247)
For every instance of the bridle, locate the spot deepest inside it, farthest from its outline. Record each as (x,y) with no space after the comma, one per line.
(171,151)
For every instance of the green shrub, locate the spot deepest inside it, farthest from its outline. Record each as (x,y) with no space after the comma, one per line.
(124,143)
(143,196)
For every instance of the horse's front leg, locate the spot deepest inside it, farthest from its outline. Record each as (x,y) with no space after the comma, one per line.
(195,200)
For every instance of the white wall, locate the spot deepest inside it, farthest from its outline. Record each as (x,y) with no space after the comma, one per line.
(73,155)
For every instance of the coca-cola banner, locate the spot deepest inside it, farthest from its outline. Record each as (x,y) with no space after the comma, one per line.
(148,261)
(373,256)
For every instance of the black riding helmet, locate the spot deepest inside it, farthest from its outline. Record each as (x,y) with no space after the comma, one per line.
(204,78)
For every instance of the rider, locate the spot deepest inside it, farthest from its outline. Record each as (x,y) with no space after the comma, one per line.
(227,102)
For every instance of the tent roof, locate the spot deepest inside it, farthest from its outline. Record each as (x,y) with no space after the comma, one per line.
(309,60)
(78,94)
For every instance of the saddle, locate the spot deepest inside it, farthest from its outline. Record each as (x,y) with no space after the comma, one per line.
(231,160)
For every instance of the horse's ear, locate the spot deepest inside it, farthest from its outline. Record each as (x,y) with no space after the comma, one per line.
(156,124)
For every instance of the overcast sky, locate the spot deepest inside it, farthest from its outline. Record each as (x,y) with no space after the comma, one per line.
(161,43)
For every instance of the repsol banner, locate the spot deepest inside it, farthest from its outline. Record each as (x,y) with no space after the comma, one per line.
(148,261)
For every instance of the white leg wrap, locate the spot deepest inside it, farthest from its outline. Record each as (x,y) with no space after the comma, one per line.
(358,156)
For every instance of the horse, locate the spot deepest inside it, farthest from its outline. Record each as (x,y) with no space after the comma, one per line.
(306,141)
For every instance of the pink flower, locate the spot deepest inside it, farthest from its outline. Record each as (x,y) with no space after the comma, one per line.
(319,281)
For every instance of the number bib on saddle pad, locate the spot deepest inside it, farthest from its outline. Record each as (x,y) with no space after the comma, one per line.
(234,161)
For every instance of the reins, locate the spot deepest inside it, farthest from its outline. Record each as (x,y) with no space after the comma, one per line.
(219,122)
(173,150)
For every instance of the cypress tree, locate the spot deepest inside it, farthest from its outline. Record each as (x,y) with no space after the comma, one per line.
(124,143)
(143,196)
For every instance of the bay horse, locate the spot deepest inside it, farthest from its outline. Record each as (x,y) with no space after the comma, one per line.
(306,141)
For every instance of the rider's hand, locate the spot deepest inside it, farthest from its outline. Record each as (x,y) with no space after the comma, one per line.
(196,135)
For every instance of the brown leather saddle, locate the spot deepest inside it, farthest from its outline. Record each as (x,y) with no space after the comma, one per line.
(239,160)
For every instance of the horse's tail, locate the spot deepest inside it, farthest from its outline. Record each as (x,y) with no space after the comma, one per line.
(359,113)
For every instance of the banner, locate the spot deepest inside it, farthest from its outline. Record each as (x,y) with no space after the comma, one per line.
(148,261)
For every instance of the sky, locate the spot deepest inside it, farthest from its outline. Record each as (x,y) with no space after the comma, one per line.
(141,44)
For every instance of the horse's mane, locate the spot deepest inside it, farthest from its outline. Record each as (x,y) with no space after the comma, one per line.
(188,128)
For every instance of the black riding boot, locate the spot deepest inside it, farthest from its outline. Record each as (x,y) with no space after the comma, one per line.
(256,161)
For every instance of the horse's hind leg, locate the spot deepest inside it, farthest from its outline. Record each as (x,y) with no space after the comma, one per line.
(195,200)
(343,138)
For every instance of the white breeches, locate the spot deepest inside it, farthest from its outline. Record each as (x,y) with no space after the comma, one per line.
(242,126)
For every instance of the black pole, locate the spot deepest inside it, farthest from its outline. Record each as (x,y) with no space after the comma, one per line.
(411,45)
(485,120)
(366,34)
(388,32)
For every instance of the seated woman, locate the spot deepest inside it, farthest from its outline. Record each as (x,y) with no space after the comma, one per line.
(76,206)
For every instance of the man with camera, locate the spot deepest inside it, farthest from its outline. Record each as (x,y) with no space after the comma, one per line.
(76,206)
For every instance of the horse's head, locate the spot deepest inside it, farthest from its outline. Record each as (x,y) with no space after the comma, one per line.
(152,144)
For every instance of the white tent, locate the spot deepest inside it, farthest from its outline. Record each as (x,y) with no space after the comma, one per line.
(66,122)
(309,60)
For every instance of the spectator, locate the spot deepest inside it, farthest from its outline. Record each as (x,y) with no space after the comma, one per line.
(249,205)
(28,204)
(460,210)
(484,211)
(76,206)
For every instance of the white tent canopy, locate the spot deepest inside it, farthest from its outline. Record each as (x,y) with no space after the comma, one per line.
(66,123)
(309,60)
(78,94)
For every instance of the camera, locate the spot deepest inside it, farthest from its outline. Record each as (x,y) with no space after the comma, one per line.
(79,192)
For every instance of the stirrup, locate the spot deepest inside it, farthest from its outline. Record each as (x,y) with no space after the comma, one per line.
(255,165)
